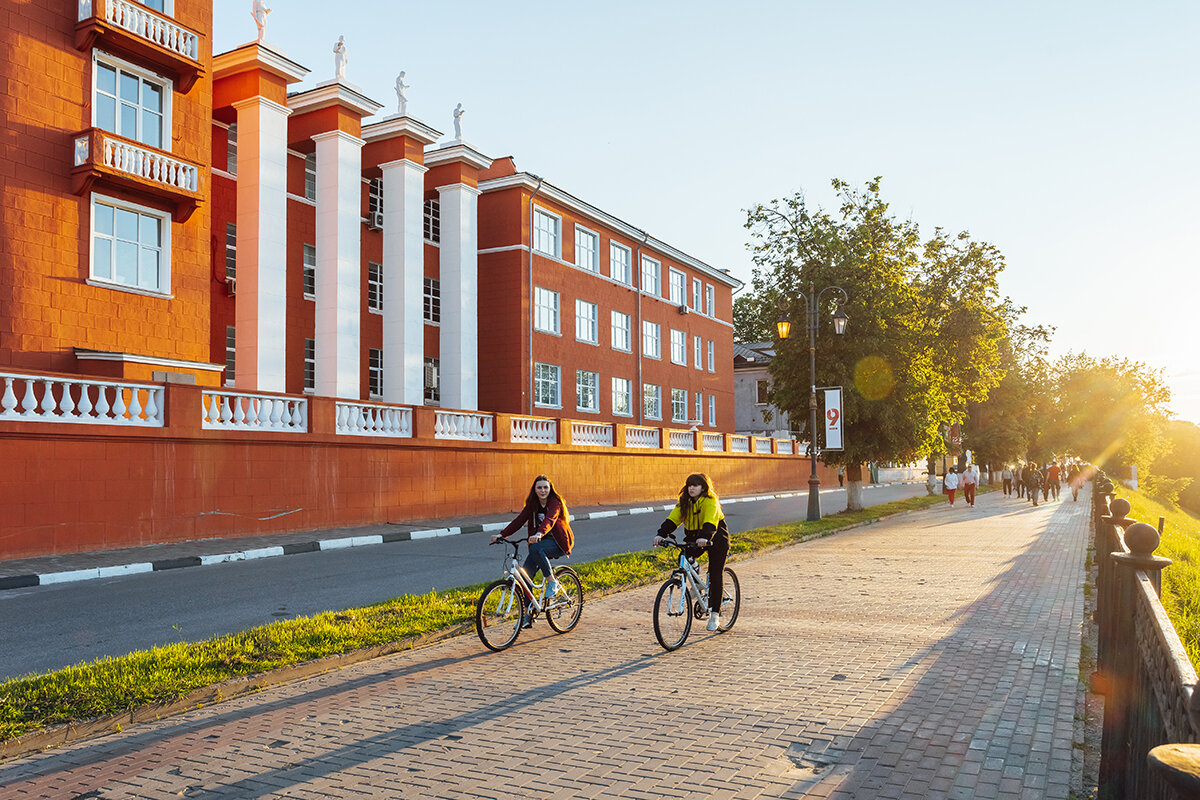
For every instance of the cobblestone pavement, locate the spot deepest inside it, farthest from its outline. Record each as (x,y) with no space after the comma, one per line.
(934,655)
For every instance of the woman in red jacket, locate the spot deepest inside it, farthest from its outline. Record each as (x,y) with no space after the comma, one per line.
(546,518)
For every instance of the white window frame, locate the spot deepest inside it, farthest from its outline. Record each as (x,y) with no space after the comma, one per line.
(697,285)
(547,377)
(375,196)
(679,408)
(620,267)
(651,276)
(698,352)
(651,339)
(587,322)
(231,250)
(374,287)
(231,144)
(712,356)
(308,269)
(230,355)
(310,176)
(587,391)
(167,86)
(621,332)
(651,401)
(431,301)
(622,397)
(433,388)
(678,347)
(677,287)
(548,234)
(310,366)
(709,300)
(712,411)
(163,249)
(546,316)
(431,220)
(375,372)
(699,420)
(582,235)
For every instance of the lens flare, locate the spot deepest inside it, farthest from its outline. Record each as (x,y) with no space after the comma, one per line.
(873,378)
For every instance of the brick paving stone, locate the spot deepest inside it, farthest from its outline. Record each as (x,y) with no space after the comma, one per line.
(934,654)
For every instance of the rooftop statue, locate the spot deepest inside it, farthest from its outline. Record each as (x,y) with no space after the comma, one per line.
(259,11)
(340,59)
(401,100)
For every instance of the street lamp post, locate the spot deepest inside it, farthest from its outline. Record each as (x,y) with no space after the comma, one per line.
(812,305)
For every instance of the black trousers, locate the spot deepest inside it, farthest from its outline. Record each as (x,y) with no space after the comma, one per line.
(718,551)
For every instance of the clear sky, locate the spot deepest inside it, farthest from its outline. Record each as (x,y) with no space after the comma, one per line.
(1065,132)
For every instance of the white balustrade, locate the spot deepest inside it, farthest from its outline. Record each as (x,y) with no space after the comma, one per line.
(739,444)
(785,446)
(762,444)
(636,436)
(593,434)
(143,22)
(372,419)
(30,398)
(462,425)
(134,160)
(534,429)
(713,441)
(681,440)
(227,410)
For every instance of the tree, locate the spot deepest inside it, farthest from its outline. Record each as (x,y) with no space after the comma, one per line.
(926,320)
(1182,463)
(752,318)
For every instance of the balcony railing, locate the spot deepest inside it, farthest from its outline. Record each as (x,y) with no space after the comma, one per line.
(372,419)
(636,436)
(595,434)
(463,425)
(739,444)
(681,440)
(786,446)
(540,430)
(150,37)
(762,444)
(226,410)
(82,401)
(103,155)
(713,441)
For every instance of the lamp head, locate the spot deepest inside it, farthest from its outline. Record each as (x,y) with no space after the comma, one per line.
(839,322)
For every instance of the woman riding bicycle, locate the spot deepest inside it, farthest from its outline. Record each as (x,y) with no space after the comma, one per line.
(699,511)
(544,513)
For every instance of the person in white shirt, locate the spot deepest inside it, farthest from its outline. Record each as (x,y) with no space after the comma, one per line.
(1006,475)
(950,481)
(970,480)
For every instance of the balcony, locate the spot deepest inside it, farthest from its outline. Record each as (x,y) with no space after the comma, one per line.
(133,30)
(113,159)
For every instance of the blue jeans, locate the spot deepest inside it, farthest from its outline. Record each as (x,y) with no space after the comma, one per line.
(539,557)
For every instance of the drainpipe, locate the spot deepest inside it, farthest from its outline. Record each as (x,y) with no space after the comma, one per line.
(636,269)
(529,269)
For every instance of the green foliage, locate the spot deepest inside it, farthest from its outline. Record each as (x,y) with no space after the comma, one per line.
(753,318)
(1183,461)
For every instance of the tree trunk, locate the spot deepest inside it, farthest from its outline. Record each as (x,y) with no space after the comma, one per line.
(931,481)
(854,487)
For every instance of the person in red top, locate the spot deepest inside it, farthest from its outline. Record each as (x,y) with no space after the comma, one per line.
(546,518)
(1054,477)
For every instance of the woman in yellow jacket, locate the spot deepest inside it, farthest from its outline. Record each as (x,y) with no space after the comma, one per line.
(699,511)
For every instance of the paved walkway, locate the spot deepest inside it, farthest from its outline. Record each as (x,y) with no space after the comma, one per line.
(934,655)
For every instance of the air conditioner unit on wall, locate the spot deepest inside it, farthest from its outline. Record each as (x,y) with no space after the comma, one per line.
(231,286)
(375,221)
(683,309)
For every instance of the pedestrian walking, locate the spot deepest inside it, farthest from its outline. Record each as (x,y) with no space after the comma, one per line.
(1006,475)
(950,482)
(970,479)
(1054,478)
(1032,478)
(1074,480)
(841,476)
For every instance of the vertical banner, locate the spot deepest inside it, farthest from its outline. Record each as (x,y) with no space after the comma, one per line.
(833,418)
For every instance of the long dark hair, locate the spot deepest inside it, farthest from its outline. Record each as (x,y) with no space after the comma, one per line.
(695,479)
(532,502)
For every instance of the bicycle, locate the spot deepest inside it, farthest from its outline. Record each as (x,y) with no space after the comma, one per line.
(506,605)
(684,597)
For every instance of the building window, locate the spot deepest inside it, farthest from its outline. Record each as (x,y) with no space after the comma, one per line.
(545,233)
(620,331)
(587,250)
(374,197)
(131,102)
(762,389)
(587,390)
(587,322)
(310,271)
(696,286)
(230,251)
(310,176)
(699,419)
(131,245)
(679,405)
(374,286)
(433,301)
(433,221)
(375,371)
(622,397)
(708,299)
(433,380)
(545,310)
(712,411)
(310,364)
(678,286)
(231,149)
(230,354)
(620,262)
(712,357)
(651,401)
(651,276)
(698,352)
(546,386)
(650,339)
(678,347)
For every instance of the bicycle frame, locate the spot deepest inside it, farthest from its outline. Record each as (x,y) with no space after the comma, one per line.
(514,572)
(693,588)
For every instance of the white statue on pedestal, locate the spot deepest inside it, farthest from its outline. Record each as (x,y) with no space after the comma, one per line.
(340,59)
(458,113)
(259,11)
(401,100)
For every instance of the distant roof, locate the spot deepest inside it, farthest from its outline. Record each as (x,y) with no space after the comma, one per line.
(753,352)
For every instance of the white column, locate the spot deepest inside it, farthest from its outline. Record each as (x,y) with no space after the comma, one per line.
(339,267)
(460,293)
(261,300)
(403,284)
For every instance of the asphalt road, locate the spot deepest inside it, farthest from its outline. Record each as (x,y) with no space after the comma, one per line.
(49,627)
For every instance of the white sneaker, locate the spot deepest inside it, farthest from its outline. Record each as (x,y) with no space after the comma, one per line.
(714,620)
(552,588)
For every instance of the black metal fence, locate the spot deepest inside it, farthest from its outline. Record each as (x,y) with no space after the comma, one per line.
(1151,701)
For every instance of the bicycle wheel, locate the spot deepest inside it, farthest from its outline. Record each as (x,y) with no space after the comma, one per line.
(565,608)
(672,614)
(498,614)
(731,600)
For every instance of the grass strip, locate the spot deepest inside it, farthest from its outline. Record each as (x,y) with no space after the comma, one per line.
(165,674)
